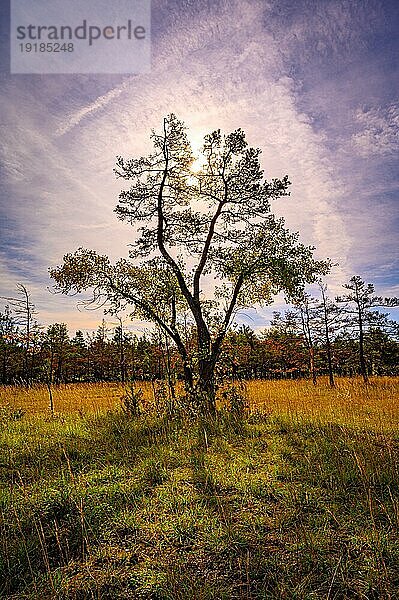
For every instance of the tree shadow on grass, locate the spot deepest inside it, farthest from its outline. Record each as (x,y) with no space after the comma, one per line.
(322,526)
(331,531)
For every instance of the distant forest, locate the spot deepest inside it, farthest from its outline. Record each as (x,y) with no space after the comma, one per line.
(313,338)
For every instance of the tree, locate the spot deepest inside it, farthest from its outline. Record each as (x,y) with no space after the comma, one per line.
(287,347)
(120,339)
(240,357)
(306,314)
(25,312)
(382,349)
(56,341)
(100,352)
(359,303)
(8,337)
(78,357)
(320,319)
(196,227)
(330,324)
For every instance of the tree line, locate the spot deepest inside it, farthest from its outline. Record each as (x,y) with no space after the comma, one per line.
(315,336)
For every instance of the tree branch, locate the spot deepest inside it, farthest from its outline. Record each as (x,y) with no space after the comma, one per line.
(220,337)
(170,330)
(193,304)
(201,265)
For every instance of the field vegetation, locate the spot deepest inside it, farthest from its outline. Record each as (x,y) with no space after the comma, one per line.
(291,492)
(375,405)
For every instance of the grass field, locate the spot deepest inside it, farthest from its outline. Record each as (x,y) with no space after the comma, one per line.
(298,500)
(351,402)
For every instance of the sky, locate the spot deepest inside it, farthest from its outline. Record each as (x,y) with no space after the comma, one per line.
(314,84)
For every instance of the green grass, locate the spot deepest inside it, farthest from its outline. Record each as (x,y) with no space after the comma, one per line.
(105,507)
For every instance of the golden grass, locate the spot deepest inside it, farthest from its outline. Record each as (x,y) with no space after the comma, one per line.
(351,403)
(69,398)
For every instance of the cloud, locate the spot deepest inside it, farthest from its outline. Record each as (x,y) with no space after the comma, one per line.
(323,32)
(74,119)
(379,133)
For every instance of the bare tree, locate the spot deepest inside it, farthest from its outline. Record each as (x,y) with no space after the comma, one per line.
(330,315)
(307,314)
(25,312)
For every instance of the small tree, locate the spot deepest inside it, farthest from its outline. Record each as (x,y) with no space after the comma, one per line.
(56,340)
(24,311)
(330,323)
(120,341)
(382,348)
(306,314)
(196,227)
(78,357)
(101,352)
(320,320)
(8,337)
(359,303)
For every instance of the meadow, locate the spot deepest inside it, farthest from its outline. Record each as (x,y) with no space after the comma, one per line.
(295,498)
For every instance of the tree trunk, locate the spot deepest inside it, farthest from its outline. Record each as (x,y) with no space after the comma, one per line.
(188,377)
(51,401)
(58,371)
(4,370)
(206,387)
(329,360)
(122,352)
(328,341)
(169,374)
(312,365)
(363,366)
(305,319)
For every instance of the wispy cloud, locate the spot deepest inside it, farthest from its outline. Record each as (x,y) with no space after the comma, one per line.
(379,133)
(101,102)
